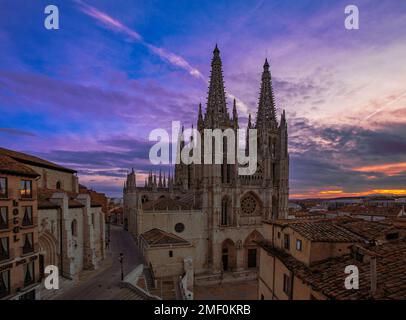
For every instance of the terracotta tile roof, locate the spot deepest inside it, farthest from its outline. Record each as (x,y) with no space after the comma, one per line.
(97,199)
(307,215)
(32,160)
(45,204)
(75,204)
(369,210)
(328,276)
(367,229)
(10,166)
(324,231)
(118,210)
(45,194)
(158,237)
(166,203)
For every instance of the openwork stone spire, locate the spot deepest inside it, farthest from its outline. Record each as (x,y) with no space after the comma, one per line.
(200,121)
(216,111)
(266,115)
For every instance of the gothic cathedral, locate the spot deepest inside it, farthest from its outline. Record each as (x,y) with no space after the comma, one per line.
(213,211)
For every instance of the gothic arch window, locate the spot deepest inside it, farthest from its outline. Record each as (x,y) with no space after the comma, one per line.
(74,228)
(58,185)
(225,211)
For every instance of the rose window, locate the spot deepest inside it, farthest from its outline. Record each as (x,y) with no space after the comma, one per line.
(248,205)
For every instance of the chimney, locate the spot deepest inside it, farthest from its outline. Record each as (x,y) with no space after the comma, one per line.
(373,275)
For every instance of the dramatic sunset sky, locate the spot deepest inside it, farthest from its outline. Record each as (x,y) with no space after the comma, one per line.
(87,95)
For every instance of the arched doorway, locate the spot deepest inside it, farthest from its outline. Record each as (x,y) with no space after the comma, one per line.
(48,251)
(228,255)
(251,249)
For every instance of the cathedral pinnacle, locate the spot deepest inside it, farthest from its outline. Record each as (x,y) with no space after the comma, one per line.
(266,115)
(216,111)
(266,64)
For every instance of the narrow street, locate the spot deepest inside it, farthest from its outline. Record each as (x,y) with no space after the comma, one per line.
(103,284)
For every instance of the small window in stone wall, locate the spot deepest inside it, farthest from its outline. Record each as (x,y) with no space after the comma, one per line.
(74,228)
(179,227)
(170,253)
(58,185)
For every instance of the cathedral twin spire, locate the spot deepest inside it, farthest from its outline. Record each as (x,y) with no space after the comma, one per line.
(217,116)
(266,115)
(216,111)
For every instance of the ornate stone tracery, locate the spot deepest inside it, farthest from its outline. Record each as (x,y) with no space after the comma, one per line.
(250,205)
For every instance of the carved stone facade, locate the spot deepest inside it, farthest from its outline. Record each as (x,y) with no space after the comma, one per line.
(222,212)
(67,220)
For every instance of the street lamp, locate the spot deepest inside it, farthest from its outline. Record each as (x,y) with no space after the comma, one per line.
(121,258)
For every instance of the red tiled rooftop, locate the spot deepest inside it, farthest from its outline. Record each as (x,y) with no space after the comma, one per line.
(10,166)
(324,231)
(328,276)
(32,160)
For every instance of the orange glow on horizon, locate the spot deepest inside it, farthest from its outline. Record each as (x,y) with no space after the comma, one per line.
(390,169)
(331,192)
(327,194)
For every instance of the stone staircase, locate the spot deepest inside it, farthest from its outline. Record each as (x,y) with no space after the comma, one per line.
(149,278)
